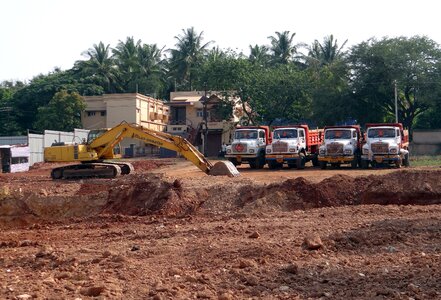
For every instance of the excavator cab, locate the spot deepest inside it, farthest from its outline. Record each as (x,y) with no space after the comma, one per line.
(93,134)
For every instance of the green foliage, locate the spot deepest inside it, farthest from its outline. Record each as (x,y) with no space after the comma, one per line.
(187,57)
(412,62)
(63,112)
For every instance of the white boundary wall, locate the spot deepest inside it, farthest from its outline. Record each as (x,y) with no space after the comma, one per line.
(37,142)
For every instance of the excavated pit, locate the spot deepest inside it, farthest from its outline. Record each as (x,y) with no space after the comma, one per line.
(156,194)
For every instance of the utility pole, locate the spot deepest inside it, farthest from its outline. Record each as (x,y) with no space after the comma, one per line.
(396,101)
(205,116)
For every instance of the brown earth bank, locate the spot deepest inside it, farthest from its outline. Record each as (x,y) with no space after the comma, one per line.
(171,232)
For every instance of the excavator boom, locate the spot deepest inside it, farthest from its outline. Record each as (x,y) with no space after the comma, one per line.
(102,147)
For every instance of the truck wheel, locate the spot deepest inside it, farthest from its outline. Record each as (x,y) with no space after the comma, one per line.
(254,163)
(235,162)
(398,163)
(272,164)
(354,164)
(323,165)
(406,161)
(315,161)
(301,161)
(365,164)
(291,165)
(335,165)
(261,161)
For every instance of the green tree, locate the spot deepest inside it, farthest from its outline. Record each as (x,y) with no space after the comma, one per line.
(325,53)
(63,112)
(99,68)
(151,69)
(127,61)
(411,62)
(282,47)
(40,90)
(187,57)
(259,55)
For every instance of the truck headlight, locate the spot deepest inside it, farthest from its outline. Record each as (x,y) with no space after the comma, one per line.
(228,150)
(365,151)
(348,151)
(251,150)
(322,152)
(292,150)
(393,151)
(268,150)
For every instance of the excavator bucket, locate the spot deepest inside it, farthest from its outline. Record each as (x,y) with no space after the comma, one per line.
(225,168)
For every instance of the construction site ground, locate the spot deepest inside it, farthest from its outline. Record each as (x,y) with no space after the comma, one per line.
(169,231)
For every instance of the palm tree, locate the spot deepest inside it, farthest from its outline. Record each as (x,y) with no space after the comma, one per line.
(151,68)
(100,67)
(259,55)
(187,56)
(282,47)
(126,57)
(326,53)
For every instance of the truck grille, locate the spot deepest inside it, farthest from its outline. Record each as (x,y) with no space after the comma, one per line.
(239,148)
(281,147)
(334,149)
(378,148)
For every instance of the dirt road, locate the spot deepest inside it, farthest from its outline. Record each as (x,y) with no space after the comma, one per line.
(171,232)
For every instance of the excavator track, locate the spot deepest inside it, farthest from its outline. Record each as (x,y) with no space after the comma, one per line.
(90,170)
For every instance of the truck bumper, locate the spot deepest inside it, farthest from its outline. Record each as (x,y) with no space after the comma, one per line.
(337,159)
(242,157)
(382,158)
(280,158)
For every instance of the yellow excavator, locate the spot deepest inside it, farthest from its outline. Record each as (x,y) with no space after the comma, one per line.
(101,144)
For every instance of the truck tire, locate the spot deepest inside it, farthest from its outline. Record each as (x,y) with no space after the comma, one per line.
(235,162)
(272,164)
(364,164)
(406,161)
(323,165)
(261,161)
(254,163)
(354,163)
(315,161)
(301,161)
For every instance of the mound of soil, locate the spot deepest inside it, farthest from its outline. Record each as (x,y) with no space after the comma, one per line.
(151,194)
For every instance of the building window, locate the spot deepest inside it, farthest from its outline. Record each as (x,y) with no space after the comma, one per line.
(103,113)
(90,113)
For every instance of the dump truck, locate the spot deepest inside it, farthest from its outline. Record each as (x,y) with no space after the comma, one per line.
(248,146)
(96,156)
(293,145)
(386,143)
(342,145)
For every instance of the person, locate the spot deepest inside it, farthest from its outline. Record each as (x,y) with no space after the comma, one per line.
(223,150)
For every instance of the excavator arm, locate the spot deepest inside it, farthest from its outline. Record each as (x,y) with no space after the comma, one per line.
(105,143)
(93,154)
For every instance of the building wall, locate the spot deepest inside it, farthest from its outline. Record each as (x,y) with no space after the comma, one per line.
(109,110)
(426,142)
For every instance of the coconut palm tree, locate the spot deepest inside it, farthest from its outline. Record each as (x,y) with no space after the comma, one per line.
(99,66)
(187,56)
(259,55)
(126,58)
(282,47)
(326,53)
(151,68)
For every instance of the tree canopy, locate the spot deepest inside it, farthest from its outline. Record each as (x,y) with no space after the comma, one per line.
(284,81)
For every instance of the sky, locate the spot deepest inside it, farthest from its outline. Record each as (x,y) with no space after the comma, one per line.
(37,36)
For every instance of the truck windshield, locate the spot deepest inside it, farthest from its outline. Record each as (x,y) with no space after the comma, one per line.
(337,134)
(381,133)
(245,134)
(285,133)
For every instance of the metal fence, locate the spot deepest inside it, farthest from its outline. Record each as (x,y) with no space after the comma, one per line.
(37,142)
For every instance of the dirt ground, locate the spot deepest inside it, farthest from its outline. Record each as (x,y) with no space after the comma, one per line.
(169,231)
